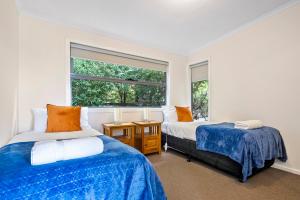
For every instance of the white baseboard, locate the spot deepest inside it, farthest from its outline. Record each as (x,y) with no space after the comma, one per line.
(287,169)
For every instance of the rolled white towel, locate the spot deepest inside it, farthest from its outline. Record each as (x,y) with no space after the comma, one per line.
(248,124)
(51,151)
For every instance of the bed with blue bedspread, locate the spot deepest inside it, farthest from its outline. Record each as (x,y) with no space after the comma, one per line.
(249,148)
(120,172)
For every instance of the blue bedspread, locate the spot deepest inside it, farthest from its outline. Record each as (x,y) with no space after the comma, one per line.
(120,172)
(250,148)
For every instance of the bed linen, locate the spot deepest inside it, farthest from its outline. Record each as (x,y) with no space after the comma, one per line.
(42,136)
(183,130)
(120,172)
(250,148)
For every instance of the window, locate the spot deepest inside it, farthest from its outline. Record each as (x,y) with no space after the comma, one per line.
(107,78)
(199,87)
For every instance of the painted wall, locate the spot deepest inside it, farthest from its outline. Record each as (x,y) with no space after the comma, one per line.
(9,69)
(44,69)
(255,74)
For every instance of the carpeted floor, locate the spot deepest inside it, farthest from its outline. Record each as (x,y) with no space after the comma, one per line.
(195,180)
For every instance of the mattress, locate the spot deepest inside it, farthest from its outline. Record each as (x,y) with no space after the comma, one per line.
(218,161)
(183,130)
(32,136)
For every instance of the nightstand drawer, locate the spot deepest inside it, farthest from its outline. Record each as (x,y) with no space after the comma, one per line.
(124,140)
(126,132)
(151,142)
(147,137)
(150,150)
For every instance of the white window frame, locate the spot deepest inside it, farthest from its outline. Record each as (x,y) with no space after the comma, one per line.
(69,76)
(208,61)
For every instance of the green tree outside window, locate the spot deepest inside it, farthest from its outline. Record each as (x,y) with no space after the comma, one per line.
(94,93)
(200,99)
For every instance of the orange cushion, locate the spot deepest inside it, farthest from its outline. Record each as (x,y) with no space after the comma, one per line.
(63,118)
(184,114)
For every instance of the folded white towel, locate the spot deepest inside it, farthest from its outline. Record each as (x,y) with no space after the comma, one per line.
(248,124)
(51,151)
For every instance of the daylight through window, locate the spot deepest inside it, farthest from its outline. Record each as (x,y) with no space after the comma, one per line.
(199,90)
(107,78)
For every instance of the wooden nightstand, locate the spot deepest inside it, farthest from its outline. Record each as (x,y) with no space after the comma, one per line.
(126,132)
(148,136)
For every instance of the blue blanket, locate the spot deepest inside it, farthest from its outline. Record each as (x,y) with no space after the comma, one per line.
(120,172)
(250,148)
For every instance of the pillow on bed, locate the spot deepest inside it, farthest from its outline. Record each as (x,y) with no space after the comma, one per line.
(184,114)
(40,119)
(63,118)
(84,118)
(169,113)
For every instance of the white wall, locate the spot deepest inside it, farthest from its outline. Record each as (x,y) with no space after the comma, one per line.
(44,68)
(9,69)
(255,74)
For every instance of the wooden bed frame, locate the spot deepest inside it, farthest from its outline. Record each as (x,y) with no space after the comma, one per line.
(221,162)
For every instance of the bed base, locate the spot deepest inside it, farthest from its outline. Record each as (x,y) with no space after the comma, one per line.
(221,162)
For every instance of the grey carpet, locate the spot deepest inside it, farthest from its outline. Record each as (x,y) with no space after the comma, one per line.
(195,180)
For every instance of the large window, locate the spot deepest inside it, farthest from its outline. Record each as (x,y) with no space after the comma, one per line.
(106,78)
(199,90)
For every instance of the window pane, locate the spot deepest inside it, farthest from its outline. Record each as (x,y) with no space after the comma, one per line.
(102,69)
(130,86)
(200,99)
(101,93)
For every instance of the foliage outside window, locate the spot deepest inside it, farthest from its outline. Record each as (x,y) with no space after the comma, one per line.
(200,99)
(97,84)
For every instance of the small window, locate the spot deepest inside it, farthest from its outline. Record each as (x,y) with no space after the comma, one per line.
(107,78)
(199,87)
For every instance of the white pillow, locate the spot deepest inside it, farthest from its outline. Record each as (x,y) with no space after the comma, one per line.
(84,118)
(170,114)
(40,118)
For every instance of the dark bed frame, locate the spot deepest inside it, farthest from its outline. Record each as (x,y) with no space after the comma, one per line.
(224,163)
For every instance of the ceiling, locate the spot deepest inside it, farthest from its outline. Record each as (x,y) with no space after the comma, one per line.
(179,26)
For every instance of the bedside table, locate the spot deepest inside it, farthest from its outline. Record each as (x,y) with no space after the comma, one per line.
(127,132)
(148,136)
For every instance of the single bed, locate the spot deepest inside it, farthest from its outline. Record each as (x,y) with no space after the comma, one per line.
(120,172)
(181,136)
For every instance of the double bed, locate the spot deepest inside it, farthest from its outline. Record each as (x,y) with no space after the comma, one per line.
(181,136)
(120,172)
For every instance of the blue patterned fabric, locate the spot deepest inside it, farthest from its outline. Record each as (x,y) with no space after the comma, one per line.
(120,172)
(250,148)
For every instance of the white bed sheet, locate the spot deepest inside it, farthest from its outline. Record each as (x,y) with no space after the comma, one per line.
(183,130)
(31,136)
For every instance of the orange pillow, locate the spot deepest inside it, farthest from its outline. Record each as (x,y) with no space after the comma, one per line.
(184,114)
(63,118)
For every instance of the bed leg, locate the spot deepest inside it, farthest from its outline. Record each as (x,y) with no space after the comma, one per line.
(241,180)
(166,147)
(189,158)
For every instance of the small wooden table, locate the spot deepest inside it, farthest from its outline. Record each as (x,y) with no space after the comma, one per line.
(148,136)
(127,132)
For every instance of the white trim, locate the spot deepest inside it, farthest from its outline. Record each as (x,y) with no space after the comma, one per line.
(118,54)
(68,76)
(123,110)
(209,89)
(112,48)
(68,62)
(199,64)
(245,25)
(285,168)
